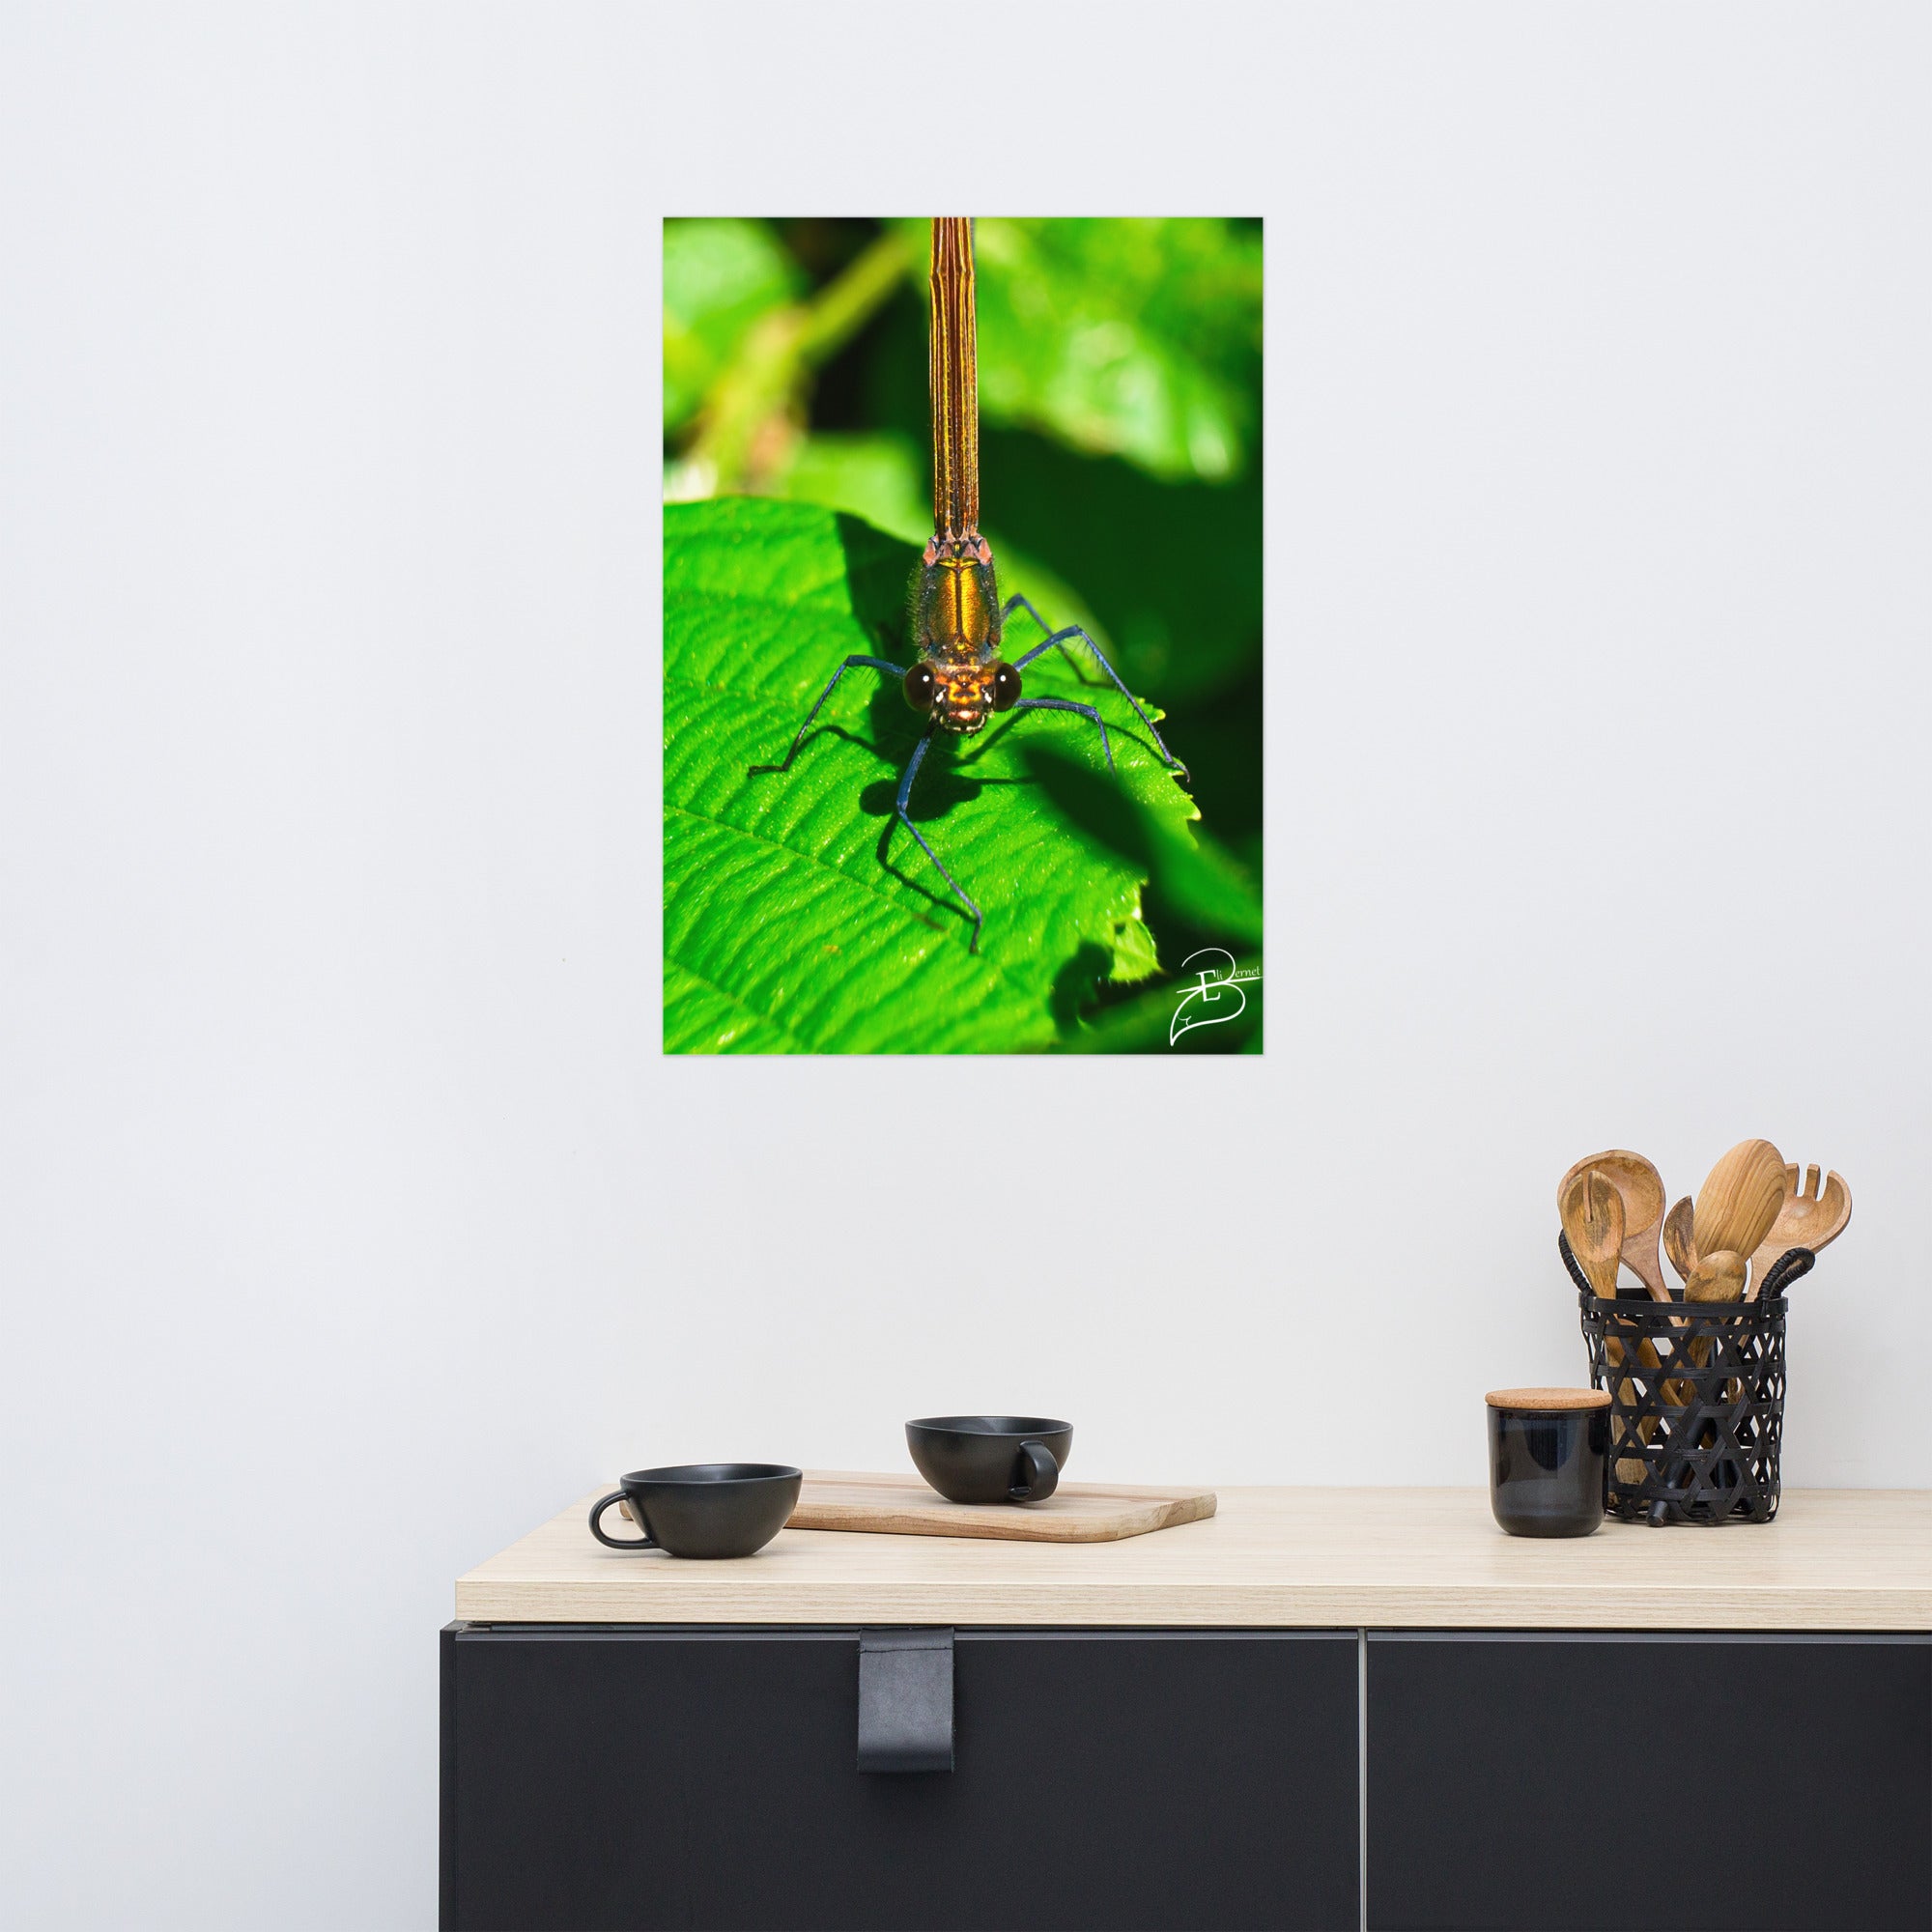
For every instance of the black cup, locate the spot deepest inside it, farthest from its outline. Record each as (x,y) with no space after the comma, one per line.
(703,1509)
(1549,1460)
(990,1458)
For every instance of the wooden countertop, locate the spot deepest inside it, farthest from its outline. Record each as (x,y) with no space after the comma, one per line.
(1834,1559)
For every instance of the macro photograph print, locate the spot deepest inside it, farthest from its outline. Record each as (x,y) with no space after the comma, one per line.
(962,635)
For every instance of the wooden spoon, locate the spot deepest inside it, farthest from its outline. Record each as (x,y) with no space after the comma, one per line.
(1593,1218)
(1680,1242)
(1717,1278)
(1809,1217)
(1739,1201)
(1593,1221)
(1641,1187)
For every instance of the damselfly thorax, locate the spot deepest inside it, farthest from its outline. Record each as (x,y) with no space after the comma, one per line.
(960,677)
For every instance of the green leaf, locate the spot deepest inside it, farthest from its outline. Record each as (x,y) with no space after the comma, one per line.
(1146,1022)
(1139,339)
(718,277)
(1204,885)
(785,929)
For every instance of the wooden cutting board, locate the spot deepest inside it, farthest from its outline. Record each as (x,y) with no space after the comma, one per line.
(1075,1512)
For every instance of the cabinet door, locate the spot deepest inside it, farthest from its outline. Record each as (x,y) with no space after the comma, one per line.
(1623,1781)
(622,1778)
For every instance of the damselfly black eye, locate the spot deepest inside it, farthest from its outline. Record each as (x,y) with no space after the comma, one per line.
(1006,687)
(921,687)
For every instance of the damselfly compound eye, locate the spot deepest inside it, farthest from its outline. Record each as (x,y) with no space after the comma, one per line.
(1006,687)
(921,687)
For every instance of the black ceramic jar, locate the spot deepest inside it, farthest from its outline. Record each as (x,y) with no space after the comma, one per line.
(1549,1458)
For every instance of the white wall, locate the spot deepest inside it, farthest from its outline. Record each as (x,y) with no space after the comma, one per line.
(352,1223)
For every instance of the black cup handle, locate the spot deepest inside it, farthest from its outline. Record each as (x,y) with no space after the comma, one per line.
(597,1510)
(1041,1474)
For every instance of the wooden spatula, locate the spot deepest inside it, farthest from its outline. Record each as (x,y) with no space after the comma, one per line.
(1739,1200)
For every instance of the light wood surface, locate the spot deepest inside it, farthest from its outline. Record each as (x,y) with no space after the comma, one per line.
(1845,1559)
(898,1505)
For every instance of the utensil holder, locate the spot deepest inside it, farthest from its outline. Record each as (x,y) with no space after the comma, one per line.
(1707,1420)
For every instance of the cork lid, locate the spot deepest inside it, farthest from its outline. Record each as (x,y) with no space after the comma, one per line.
(1548,1400)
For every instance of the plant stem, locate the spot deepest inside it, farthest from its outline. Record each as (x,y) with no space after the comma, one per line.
(753,414)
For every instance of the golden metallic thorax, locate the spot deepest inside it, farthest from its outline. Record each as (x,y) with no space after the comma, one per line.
(956,603)
(956,628)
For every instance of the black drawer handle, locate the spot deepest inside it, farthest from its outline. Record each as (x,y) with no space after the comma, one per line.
(905,1701)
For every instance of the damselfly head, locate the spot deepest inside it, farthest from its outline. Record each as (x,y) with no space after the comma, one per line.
(961,697)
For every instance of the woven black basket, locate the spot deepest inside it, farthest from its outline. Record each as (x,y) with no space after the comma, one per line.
(1696,1399)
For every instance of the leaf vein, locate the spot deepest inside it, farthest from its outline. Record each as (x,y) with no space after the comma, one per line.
(843,877)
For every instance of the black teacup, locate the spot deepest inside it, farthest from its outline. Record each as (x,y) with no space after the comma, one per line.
(990,1458)
(703,1509)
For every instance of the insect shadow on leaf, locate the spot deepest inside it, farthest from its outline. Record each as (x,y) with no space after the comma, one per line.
(1076,984)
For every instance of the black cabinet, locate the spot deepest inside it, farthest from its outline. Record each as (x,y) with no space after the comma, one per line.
(1572,1781)
(604,1776)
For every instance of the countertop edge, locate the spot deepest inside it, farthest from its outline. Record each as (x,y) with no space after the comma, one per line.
(1207,1607)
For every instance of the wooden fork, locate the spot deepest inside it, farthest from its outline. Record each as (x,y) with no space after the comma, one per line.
(1809,1217)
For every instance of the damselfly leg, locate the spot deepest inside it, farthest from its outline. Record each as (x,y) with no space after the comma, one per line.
(904,799)
(1059,638)
(1068,705)
(913,764)
(850,663)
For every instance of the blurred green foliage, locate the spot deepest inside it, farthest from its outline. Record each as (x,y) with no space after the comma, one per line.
(1141,339)
(1119,393)
(718,279)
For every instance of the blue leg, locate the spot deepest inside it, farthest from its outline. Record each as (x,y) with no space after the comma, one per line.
(1068,705)
(1060,636)
(850,663)
(1018,603)
(905,793)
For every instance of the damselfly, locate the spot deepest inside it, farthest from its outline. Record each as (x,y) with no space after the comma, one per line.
(959,679)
